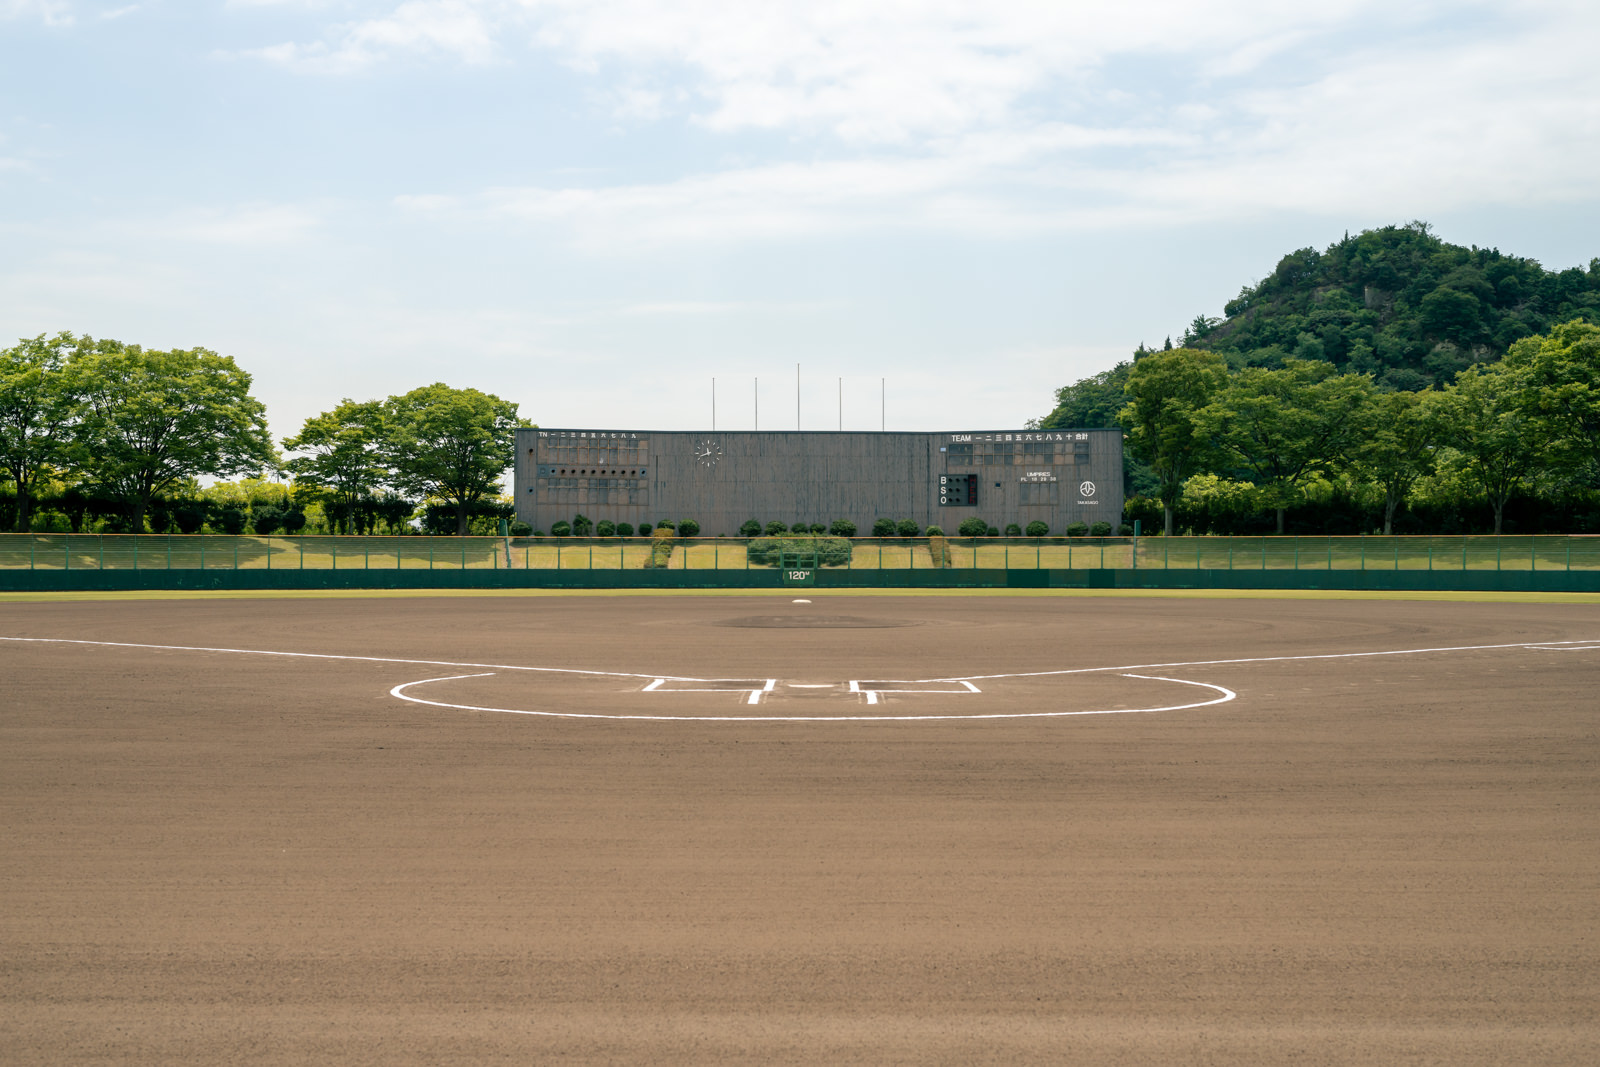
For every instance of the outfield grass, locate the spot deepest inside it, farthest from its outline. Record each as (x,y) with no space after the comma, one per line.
(160,552)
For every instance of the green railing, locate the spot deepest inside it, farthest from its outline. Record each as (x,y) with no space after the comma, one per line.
(125,552)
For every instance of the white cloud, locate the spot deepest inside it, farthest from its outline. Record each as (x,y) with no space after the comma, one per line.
(461,29)
(247,225)
(49,12)
(1384,126)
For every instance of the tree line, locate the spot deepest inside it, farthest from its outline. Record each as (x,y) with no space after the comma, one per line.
(1269,437)
(134,429)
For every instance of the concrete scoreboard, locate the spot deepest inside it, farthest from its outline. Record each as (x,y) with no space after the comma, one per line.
(722,478)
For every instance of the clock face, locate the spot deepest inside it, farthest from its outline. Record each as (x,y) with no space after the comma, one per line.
(708,453)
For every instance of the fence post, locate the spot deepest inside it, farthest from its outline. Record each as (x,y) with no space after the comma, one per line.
(1569,555)
(269,553)
(1330,552)
(135,551)
(1497,548)
(103,552)
(335,553)
(1397,553)
(235,553)
(202,551)
(66,553)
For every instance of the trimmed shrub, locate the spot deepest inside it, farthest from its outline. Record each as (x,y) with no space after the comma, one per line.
(842,528)
(1013,530)
(972,527)
(190,515)
(907,528)
(662,542)
(1077,529)
(624,529)
(605,528)
(883,528)
(644,529)
(1038,528)
(935,531)
(1124,530)
(581,526)
(561,528)
(666,524)
(774,528)
(266,520)
(1100,529)
(520,528)
(750,528)
(688,528)
(230,520)
(994,531)
(830,551)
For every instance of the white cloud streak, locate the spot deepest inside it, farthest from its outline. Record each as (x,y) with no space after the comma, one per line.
(1018,118)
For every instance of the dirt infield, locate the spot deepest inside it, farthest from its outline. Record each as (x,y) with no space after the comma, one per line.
(872,829)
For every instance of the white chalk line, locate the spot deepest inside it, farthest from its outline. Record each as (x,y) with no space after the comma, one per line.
(1227,695)
(872,694)
(1549,646)
(755,695)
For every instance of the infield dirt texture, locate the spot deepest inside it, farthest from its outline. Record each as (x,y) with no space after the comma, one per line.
(1319,857)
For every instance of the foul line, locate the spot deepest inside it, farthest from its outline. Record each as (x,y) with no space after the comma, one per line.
(755,695)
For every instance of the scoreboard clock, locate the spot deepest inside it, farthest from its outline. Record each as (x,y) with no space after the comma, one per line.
(958,490)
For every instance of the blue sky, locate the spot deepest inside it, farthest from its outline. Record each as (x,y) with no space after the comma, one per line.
(595,208)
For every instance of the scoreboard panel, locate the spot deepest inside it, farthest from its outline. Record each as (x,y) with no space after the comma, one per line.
(958,490)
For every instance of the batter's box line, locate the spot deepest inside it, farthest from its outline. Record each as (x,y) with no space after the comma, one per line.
(860,686)
(740,685)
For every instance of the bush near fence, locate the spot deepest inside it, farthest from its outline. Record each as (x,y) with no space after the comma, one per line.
(127,552)
(829,551)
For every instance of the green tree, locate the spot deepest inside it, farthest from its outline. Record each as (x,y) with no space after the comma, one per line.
(151,419)
(1559,375)
(1166,391)
(1092,402)
(36,413)
(343,464)
(1282,426)
(1398,444)
(454,444)
(1486,417)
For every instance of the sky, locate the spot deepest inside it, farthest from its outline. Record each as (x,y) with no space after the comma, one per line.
(609,211)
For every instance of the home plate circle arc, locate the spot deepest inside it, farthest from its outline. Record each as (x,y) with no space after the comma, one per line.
(755,693)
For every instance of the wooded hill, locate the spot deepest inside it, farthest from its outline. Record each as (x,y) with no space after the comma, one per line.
(1397,303)
(1393,378)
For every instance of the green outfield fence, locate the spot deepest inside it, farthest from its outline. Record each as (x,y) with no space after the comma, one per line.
(41,561)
